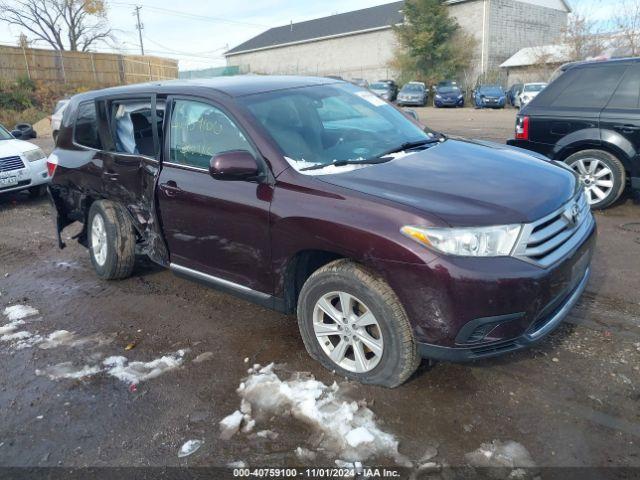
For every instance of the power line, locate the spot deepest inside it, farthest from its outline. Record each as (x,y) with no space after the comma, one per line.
(190,15)
(139,27)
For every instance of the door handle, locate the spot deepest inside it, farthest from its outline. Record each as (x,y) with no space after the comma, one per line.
(627,128)
(110,176)
(171,189)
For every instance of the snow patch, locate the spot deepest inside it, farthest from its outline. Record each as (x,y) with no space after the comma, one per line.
(18,312)
(203,357)
(507,454)
(136,372)
(189,447)
(230,425)
(237,464)
(9,337)
(11,326)
(68,370)
(348,429)
(64,338)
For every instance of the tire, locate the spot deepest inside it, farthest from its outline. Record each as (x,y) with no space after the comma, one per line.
(611,184)
(36,192)
(119,238)
(398,359)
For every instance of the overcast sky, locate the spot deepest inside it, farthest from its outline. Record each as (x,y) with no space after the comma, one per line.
(197,32)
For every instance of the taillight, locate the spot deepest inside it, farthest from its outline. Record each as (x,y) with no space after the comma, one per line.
(52,163)
(522,128)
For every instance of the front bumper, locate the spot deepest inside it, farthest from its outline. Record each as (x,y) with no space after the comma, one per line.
(547,323)
(410,102)
(446,102)
(32,175)
(464,308)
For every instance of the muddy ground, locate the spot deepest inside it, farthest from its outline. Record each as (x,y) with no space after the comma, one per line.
(572,401)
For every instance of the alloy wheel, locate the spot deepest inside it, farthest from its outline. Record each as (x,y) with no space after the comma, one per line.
(348,332)
(99,240)
(597,178)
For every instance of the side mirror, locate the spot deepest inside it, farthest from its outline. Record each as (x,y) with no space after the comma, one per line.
(234,165)
(16,134)
(411,113)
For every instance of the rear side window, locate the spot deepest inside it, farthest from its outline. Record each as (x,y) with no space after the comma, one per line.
(200,131)
(132,126)
(589,87)
(86,127)
(626,95)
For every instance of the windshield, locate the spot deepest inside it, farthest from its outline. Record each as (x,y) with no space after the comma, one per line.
(325,124)
(534,87)
(4,134)
(413,88)
(379,86)
(490,91)
(448,89)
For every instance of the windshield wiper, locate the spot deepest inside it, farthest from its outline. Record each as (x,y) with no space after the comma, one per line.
(342,163)
(408,146)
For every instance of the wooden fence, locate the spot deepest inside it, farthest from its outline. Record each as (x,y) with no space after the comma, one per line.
(86,68)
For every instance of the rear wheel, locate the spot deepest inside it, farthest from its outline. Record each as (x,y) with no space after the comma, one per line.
(602,174)
(111,240)
(352,322)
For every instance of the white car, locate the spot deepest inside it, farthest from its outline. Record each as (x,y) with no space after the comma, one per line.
(529,92)
(23,165)
(56,118)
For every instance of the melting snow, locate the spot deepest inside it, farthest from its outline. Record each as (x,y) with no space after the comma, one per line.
(348,429)
(500,454)
(18,312)
(189,447)
(9,337)
(11,326)
(203,357)
(68,370)
(136,372)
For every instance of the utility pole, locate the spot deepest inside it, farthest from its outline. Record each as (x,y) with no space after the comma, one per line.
(139,26)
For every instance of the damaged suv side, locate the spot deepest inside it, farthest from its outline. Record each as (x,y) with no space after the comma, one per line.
(313,196)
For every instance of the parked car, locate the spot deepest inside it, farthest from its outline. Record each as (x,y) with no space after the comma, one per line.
(513,92)
(589,118)
(489,96)
(413,93)
(23,165)
(361,82)
(56,118)
(448,96)
(315,197)
(383,90)
(529,92)
(394,88)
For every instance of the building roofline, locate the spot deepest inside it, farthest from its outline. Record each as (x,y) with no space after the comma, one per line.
(229,53)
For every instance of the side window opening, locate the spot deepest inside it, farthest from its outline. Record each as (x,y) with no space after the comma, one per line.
(85,131)
(132,125)
(627,94)
(200,131)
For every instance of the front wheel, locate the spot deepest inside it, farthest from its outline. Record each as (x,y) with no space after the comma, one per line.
(602,174)
(112,240)
(352,322)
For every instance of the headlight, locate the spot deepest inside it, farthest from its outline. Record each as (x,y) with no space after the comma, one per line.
(438,96)
(495,241)
(525,99)
(34,155)
(459,96)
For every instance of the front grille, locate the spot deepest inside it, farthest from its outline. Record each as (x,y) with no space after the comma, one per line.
(549,239)
(8,164)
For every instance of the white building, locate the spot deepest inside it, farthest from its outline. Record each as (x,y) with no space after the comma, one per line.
(361,43)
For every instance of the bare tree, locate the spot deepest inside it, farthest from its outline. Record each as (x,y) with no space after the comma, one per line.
(627,24)
(582,37)
(63,24)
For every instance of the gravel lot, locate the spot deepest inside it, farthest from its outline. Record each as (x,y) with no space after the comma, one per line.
(570,402)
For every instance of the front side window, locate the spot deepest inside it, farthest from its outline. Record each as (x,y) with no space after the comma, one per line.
(4,134)
(86,127)
(321,125)
(200,131)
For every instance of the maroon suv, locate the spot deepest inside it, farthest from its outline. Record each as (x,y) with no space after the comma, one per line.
(314,196)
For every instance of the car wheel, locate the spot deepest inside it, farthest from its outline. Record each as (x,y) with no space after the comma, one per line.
(602,174)
(352,322)
(36,192)
(111,240)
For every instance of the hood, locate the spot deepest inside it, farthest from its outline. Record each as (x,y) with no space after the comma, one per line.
(12,147)
(467,183)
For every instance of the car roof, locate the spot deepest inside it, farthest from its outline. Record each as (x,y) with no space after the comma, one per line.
(233,86)
(585,63)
